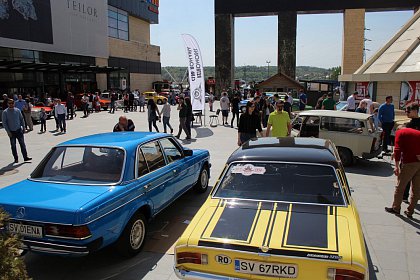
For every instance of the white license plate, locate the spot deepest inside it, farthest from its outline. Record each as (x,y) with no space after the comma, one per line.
(25,230)
(263,268)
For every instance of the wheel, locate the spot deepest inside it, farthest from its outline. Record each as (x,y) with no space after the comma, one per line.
(346,156)
(203,181)
(131,240)
(159,102)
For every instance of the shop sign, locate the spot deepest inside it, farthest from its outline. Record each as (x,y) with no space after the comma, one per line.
(410,94)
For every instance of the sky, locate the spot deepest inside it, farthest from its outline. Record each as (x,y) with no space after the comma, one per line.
(318,43)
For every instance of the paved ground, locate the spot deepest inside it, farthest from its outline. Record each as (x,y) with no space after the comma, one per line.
(393,242)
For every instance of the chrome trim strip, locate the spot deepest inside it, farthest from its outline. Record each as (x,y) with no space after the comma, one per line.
(216,187)
(84,184)
(68,238)
(40,243)
(56,251)
(185,274)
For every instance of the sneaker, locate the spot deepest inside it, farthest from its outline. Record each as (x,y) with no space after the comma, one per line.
(16,160)
(27,159)
(408,214)
(392,210)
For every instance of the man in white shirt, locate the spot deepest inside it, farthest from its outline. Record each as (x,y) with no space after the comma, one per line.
(290,99)
(225,106)
(60,113)
(351,102)
(369,104)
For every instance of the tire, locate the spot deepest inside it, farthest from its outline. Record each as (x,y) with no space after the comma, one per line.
(346,156)
(159,102)
(203,181)
(132,238)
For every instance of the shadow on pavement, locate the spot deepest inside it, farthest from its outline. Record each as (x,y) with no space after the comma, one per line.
(414,222)
(373,269)
(203,132)
(11,167)
(156,256)
(371,168)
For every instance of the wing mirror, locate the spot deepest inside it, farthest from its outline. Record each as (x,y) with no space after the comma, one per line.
(188,153)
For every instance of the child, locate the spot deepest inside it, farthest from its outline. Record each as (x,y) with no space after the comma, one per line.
(43,119)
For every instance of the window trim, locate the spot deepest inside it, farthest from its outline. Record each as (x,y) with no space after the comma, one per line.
(217,186)
(176,146)
(123,13)
(150,172)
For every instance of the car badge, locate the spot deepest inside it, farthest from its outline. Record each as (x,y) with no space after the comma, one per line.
(265,249)
(20,212)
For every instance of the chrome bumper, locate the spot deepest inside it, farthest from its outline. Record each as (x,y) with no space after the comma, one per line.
(184,274)
(60,249)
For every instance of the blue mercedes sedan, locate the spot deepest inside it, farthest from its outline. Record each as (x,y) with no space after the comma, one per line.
(99,190)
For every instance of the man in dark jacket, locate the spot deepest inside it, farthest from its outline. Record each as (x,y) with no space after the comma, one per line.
(124,124)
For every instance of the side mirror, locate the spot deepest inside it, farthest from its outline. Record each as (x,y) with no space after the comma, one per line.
(188,153)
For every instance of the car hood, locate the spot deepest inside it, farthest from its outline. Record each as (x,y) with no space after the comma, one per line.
(282,229)
(48,202)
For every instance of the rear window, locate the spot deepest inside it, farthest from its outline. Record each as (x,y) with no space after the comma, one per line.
(342,125)
(287,182)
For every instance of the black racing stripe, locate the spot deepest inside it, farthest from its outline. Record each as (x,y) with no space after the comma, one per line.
(277,252)
(234,223)
(308,226)
(267,205)
(271,231)
(211,218)
(266,231)
(255,226)
(331,210)
(282,207)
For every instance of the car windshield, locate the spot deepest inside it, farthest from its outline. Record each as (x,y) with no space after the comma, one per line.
(286,182)
(81,165)
(340,105)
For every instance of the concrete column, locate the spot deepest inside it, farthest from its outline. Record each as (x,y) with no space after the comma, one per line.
(353,40)
(225,51)
(101,79)
(286,58)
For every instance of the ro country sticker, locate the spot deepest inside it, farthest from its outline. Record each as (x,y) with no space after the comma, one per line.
(248,170)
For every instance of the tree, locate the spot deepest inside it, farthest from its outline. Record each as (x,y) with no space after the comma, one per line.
(12,266)
(335,72)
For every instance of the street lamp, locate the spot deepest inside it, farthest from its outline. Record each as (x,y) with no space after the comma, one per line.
(268,68)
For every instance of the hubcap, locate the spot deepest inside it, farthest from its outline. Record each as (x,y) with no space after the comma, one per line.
(137,234)
(204,179)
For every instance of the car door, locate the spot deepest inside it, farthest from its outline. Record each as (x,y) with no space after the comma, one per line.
(154,178)
(177,166)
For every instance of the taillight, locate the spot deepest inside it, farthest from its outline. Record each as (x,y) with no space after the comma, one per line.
(68,231)
(344,274)
(188,257)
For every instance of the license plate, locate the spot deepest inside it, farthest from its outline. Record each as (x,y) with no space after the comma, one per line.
(263,268)
(25,230)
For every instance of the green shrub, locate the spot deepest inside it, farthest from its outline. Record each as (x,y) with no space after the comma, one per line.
(12,266)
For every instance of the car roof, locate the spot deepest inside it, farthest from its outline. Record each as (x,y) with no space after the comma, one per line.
(287,149)
(126,140)
(337,114)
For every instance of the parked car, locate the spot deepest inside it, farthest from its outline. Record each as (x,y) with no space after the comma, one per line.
(102,189)
(36,111)
(354,134)
(282,208)
(156,97)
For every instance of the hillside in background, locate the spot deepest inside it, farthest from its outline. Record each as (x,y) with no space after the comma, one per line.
(253,73)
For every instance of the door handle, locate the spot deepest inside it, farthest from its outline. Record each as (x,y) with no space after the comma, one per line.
(146,187)
(174,171)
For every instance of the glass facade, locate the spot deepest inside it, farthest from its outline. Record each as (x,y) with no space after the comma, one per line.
(117,23)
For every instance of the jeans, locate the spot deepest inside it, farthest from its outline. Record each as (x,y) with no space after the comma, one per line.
(153,122)
(387,127)
(18,134)
(70,111)
(85,109)
(62,121)
(43,125)
(28,120)
(183,126)
(112,108)
(166,123)
(408,172)
(188,124)
(233,118)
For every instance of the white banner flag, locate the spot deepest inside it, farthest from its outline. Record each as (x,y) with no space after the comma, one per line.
(196,72)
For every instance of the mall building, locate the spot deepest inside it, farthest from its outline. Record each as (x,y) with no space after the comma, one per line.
(54,46)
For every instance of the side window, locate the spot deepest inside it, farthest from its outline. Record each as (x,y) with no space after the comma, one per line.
(341,125)
(310,127)
(172,152)
(153,155)
(297,122)
(142,168)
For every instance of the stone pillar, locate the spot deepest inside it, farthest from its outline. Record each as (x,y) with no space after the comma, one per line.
(225,51)
(101,78)
(353,40)
(286,58)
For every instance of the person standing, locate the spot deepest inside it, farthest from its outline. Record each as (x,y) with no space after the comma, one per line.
(126,102)
(60,112)
(189,119)
(182,108)
(131,102)
(407,150)
(280,121)
(124,124)
(85,105)
(70,105)
(20,103)
(43,120)
(318,105)
(267,110)
(142,101)
(303,100)
(211,101)
(289,98)
(13,124)
(112,105)
(166,115)
(27,109)
(249,123)
(386,116)
(351,102)
(152,114)
(287,106)
(224,106)
(369,104)
(235,110)
(329,103)
(5,100)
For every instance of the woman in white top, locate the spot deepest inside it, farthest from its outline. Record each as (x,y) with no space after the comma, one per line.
(166,114)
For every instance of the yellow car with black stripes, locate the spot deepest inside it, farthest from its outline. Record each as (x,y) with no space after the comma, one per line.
(282,208)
